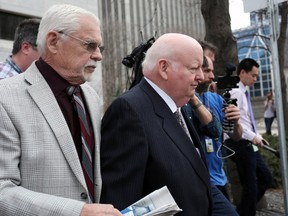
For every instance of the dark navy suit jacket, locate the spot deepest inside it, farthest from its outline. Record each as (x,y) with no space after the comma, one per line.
(143,148)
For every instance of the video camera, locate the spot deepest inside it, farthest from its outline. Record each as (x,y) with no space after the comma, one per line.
(228,82)
(137,53)
(135,59)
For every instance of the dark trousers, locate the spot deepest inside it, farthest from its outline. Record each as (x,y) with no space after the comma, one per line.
(224,191)
(254,176)
(268,124)
(221,205)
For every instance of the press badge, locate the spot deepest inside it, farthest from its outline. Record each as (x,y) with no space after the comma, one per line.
(209,144)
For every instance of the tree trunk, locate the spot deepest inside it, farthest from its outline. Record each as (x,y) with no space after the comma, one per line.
(281,54)
(218,32)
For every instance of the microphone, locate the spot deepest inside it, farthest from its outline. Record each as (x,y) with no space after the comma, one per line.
(267,147)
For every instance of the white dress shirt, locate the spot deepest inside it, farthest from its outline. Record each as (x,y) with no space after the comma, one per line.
(169,101)
(245,120)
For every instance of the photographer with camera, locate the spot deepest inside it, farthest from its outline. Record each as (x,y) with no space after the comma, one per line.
(254,175)
(210,132)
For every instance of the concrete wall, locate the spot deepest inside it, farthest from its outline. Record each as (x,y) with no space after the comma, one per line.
(37,7)
(5,49)
(124,21)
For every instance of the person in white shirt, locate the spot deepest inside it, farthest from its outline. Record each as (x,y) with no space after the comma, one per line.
(269,113)
(254,175)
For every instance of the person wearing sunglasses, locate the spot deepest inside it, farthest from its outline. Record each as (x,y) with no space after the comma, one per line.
(24,50)
(50,123)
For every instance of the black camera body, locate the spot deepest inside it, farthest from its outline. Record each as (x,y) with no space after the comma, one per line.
(135,59)
(138,53)
(228,81)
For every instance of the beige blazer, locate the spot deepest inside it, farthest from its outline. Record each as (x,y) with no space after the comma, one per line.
(40,172)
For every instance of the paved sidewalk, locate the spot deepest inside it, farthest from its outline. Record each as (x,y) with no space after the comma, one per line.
(274,197)
(261,126)
(275,203)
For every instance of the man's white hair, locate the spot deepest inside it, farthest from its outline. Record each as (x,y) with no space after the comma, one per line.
(63,17)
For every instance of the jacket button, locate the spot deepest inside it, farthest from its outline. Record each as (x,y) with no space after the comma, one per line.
(84,195)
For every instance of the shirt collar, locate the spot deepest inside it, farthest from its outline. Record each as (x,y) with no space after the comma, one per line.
(13,64)
(242,87)
(54,80)
(168,100)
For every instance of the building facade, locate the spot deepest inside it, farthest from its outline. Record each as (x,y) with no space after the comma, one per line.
(127,23)
(254,42)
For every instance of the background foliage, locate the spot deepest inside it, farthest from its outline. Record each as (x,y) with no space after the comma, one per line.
(273,162)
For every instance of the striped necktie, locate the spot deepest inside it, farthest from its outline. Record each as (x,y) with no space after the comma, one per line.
(86,138)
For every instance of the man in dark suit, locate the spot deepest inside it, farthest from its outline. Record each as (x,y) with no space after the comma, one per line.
(143,146)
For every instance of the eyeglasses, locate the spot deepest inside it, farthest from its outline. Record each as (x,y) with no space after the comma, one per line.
(90,46)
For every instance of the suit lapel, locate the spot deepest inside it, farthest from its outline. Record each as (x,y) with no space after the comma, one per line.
(43,97)
(178,135)
(180,138)
(93,108)
(195,137)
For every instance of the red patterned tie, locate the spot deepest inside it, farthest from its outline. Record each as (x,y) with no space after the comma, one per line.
(86,138)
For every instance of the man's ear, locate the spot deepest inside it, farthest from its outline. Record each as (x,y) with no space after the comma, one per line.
(242,72)
(163,68)
(52,41)
(25,46)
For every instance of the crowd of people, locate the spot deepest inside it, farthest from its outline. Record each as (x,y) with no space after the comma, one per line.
(61,156)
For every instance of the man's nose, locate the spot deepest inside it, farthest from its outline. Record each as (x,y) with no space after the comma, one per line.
(200,75)
(97,55)
(212,76)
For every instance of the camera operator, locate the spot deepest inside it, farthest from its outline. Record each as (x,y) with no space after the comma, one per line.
(254,175)
(210,131)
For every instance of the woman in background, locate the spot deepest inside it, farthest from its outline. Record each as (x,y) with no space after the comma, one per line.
(269,113)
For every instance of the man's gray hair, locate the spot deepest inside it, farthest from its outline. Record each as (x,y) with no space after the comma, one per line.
(26,31)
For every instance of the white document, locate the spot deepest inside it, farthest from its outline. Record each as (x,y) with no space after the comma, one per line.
(158,203)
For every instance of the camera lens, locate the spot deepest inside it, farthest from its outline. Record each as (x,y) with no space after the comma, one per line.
(128,61)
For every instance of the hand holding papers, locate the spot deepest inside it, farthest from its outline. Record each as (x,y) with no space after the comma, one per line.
(158,203)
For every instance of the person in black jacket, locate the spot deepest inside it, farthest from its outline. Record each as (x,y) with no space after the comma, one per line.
(143,146)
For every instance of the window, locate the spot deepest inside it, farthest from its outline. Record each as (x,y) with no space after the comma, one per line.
(251,44)
(8,24)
